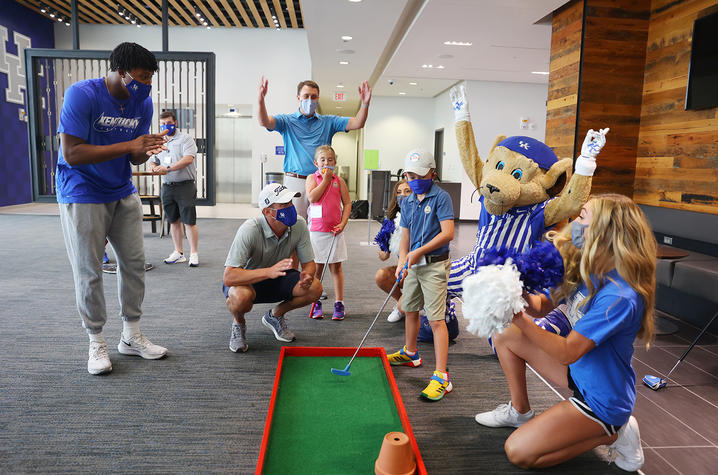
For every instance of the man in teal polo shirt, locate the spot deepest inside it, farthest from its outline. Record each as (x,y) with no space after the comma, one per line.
(305,130)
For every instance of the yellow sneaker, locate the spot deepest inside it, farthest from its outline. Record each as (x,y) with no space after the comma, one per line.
(438,386)
(402,358)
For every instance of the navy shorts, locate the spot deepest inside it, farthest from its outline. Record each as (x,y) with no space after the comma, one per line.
(273,290)
(178,201)
(580,403)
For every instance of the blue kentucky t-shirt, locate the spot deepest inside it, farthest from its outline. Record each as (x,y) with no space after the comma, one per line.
(90,113)
(604,375)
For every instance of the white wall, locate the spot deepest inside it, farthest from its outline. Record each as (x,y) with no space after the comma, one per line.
(243,55)
(345,145)
(395,126)
(496,108)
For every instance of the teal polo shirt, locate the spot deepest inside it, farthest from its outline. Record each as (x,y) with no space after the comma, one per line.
(423,218)
(302,135)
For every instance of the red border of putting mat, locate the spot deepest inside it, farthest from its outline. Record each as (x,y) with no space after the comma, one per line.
(348,352)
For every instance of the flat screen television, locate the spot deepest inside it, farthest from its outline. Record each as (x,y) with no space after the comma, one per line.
(702,91)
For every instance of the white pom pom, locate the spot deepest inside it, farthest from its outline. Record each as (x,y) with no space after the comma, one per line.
(395,238)
(492,297)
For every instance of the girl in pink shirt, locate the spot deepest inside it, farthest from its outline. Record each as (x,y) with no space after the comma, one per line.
(329,209)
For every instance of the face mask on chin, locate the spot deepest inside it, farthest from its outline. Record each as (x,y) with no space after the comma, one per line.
(138,91)
(308,106)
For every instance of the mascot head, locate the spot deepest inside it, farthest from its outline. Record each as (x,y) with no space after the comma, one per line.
(519,172)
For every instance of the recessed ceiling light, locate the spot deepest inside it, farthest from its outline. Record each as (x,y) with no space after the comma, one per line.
(431,66)
(347,38)
(544,73)
(412,84)
(343,62)
(340,85)
(457,43)
(354,1)
(402,94)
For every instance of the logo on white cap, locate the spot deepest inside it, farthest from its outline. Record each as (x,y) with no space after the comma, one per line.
(414,157)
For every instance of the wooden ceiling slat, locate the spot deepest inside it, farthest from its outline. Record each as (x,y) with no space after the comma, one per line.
(207,15)
(173,18)
(218,13)
(292,14)
(188,19)
(146,17)
(255,13)
(191,10)
(101,10)
(231,13)
(32,6)
(267,13)
(243,13)
(63,8)
(280,13)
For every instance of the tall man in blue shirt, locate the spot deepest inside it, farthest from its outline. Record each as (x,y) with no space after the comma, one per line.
(104,127)
(305,130)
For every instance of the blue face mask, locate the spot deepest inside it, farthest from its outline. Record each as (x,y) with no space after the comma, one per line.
(308,106)
(577,237)
(169,127)
(420,185)
(287,216)
(400,200)
(138,90)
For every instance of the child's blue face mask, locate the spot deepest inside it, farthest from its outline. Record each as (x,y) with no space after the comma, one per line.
(420,185)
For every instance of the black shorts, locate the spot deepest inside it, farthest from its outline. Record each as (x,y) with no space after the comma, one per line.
(580,403)
(273,290)
(178,201)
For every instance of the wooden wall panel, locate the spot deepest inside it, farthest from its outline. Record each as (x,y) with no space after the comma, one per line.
(563,78)
(677,163)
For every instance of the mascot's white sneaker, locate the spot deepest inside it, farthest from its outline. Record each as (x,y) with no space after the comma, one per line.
(504,416)
(629,453)
(395,315)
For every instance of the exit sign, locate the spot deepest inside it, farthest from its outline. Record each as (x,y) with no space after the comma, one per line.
(339,97)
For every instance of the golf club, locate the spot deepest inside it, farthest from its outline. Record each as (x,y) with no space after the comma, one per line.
(345,371)
(656,383)
(321,277)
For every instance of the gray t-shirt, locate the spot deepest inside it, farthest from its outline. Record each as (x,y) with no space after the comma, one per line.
(255,245)
(178,145)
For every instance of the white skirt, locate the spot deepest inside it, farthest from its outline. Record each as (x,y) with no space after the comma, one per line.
(322,241)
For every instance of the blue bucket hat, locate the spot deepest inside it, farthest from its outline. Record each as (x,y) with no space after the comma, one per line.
(537,151)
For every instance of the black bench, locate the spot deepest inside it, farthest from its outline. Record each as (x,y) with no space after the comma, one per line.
(687,274)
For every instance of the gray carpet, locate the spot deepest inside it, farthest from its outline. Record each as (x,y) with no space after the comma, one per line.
(202,409)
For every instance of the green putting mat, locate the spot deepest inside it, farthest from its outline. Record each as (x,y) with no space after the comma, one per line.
(324,423)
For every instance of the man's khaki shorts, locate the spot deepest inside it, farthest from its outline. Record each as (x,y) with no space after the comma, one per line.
(425,286)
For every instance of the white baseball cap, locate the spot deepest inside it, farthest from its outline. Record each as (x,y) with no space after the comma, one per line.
(275,193)
(419,161)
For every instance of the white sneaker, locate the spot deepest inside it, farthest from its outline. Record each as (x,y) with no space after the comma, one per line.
(504,416)
(139,345)
(629,453)
(395,315)
(99,361)
(194,260)
(175,258)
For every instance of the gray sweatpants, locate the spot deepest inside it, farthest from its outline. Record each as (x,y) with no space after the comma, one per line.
(85,226)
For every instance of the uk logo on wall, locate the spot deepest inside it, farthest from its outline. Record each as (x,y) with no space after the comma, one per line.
(14,66)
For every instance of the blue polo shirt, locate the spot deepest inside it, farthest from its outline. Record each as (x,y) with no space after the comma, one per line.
(302,135)
(423,218)
(604,375)
(91,114)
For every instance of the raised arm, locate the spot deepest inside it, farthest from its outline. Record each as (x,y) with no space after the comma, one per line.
(574,196)
(265,120)
(465,135)
(358,121)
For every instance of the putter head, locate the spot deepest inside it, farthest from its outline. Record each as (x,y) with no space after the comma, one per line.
(341,372)
(654,382)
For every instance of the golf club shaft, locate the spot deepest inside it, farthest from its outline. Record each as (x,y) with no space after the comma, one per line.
(692,345)
(375,318)
(329,256)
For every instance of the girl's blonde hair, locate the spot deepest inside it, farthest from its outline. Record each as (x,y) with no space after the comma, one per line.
(324,148)
(618,237)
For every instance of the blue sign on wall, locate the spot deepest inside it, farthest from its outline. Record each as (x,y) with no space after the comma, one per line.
(279,150)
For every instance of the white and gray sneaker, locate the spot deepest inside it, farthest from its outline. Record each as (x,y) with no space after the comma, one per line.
(99,361)
(238,340)
(395,316)
(504,416)
(194,260)
(139,345)
(278,325)
(175,258)
(629,453)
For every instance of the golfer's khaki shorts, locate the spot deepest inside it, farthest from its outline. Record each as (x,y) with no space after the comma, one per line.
(425,286)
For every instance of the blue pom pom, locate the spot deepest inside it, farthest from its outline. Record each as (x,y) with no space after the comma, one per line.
(541,267)
(384,235)
(496,257)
